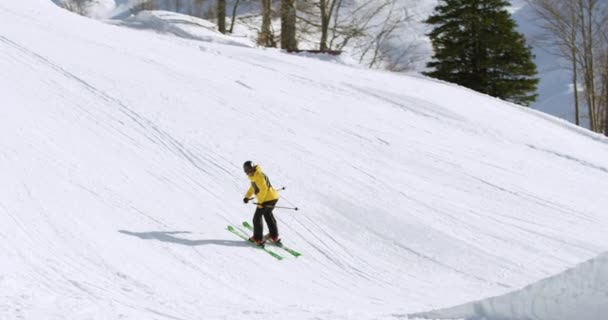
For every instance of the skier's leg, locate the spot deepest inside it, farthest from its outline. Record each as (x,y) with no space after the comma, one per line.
(271,222)
(258,226)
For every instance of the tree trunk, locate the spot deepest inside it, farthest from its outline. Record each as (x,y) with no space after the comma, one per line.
(325,15)
(587,59)
(234,9)
(571,43)
(288,25)
(221,16)
(589,52)
(265,36)
(575,87)
(604,105)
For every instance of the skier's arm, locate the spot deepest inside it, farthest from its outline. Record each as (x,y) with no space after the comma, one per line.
(249,193)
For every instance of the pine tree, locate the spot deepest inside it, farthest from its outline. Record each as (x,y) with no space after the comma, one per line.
(475,45)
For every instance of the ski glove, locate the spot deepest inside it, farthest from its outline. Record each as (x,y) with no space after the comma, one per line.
(245,200)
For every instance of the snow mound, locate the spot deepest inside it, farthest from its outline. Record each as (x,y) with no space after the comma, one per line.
(579,293)
(182,26)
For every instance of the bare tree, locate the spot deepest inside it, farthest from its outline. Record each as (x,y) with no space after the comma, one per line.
(265,36)
(585,10)
(377,48)
(604,94)
(371,25)
(288,25)
(234,13)
(577,29)
(327,7)
(77,6)
(560,24)
(592,16)
(318,14)
(603,98)
(221,16)
(323,17)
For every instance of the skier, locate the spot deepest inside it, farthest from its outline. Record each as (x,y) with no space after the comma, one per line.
(267,197)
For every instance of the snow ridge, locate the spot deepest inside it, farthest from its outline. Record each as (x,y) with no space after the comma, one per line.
(577,293)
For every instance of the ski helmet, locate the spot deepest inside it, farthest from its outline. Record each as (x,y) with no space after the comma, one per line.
(248,167)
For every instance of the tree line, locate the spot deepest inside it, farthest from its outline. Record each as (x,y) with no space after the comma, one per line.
(371,28)
(367,25)
(475,44)
(577,31)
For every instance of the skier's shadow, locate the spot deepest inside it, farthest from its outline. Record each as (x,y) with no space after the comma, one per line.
(169,236)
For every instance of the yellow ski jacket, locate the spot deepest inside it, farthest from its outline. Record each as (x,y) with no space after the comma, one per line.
(260,185)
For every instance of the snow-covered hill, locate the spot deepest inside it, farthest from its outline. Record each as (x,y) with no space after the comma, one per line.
(409,44)
(121,157)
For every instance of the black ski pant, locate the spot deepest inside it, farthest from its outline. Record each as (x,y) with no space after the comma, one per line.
(266,212)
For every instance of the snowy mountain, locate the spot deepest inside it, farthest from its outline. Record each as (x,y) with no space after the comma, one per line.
(121,158)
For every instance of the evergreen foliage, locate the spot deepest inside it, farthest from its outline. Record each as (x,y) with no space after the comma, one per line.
(475,45)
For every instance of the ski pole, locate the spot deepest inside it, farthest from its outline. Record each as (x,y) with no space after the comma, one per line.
(282,188)
(277,207)
(287,208)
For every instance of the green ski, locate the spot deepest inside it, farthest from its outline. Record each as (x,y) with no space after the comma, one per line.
(244,237)
(280,245)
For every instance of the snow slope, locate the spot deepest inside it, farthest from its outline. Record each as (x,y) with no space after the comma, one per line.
(555,95)
(182,26)
(578,293)
(121,154)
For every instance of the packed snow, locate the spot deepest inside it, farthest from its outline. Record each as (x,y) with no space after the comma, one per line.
(181,25)
(121,156)
(578,293)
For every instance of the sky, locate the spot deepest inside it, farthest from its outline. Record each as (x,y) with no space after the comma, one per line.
(121,157)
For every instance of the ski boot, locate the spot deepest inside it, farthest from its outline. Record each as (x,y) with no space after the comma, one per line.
(256,242)
(271,239)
